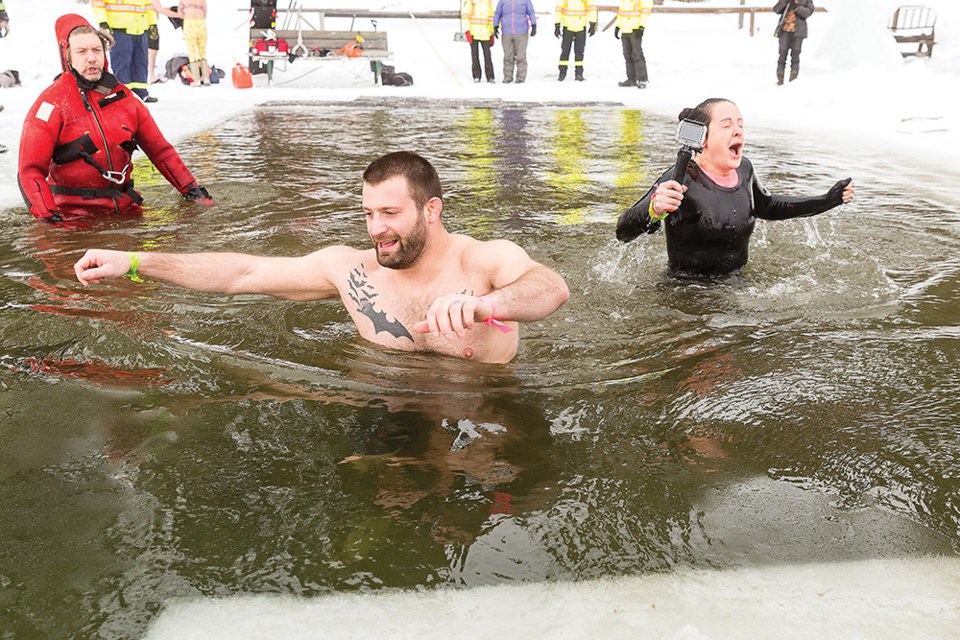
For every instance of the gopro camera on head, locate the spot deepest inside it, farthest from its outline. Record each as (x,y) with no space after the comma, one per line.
(691,135)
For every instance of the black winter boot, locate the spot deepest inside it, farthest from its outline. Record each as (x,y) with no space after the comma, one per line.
(563,74)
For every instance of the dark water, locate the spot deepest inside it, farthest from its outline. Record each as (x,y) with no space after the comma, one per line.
(157,443)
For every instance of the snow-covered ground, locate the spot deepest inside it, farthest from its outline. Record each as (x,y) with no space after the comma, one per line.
(853,88)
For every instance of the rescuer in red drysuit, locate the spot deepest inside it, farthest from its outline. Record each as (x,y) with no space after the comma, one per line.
(80,134)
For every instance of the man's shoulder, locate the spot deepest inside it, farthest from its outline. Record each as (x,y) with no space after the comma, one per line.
(487,253)
(340,254)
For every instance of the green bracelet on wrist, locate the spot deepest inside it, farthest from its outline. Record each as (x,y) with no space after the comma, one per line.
(654,216)
(134,265)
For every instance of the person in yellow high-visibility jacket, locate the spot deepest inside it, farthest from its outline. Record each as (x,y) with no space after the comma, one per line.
(476,19)
(128,21)
(4,20)
(631,21)
(574,16)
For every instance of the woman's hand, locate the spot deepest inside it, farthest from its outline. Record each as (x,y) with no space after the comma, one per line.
(667,197)
(848,193)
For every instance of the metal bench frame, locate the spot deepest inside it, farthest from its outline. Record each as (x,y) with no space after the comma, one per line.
(304,42)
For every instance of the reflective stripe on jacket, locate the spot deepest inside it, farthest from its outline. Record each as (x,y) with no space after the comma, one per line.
(633,14)
(575,14)
(476,16)
(133,16)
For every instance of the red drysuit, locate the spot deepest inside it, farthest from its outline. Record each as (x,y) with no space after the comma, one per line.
(77,143)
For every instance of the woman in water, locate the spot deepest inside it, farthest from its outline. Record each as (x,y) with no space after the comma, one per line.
(710,218)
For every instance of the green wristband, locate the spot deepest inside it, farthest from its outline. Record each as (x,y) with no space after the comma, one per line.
(134,265)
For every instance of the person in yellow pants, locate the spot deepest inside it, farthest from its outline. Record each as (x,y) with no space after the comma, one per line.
(194,14)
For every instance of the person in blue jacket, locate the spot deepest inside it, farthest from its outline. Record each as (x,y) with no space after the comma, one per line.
(511,22)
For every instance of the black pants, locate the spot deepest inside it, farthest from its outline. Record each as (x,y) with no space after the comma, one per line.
(487,59)
(633,55)
(789,43)
(578,39)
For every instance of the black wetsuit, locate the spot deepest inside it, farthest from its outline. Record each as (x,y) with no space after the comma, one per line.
(708,235)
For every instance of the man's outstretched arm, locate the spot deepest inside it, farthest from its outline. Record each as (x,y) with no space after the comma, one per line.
(307,277)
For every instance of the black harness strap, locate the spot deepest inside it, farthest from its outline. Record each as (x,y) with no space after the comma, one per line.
(90,193)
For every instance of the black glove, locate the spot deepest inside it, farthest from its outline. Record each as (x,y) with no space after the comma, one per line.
(556,29)
(533,31)
(106,28)
(616,32)
(196,193)
(593,28)
(836,191)
(496,32)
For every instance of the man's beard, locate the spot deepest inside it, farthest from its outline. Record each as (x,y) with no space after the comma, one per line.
(409,248)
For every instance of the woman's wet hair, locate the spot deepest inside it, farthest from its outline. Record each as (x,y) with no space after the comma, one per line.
(422,178)
(701,112)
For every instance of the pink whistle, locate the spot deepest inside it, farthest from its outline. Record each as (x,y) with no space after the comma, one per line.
(491,322)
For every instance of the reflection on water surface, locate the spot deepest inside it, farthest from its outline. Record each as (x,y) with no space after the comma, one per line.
(157,443)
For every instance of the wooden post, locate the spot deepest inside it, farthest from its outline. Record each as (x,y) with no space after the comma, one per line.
(740,26)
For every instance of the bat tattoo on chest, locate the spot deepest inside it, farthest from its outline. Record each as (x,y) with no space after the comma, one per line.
(364,296)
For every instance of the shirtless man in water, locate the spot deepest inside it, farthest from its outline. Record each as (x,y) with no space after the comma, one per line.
(420,288)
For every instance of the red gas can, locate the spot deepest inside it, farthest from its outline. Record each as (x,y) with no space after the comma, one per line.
(241,77)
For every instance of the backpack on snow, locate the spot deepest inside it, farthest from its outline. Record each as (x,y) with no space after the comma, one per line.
(390,77)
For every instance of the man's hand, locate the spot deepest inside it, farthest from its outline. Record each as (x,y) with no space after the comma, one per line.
(533,30)
(496,32)
(453,315)
(97,265)
(105,28)
(616,32)
(469,37)
(556,29)
(593,29)
(196,193)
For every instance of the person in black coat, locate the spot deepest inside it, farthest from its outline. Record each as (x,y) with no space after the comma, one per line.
(791,30)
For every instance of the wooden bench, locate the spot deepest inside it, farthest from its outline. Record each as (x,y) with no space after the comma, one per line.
(323,46)
(914,24)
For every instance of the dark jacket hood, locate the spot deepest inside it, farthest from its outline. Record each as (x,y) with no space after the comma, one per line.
(66,24)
